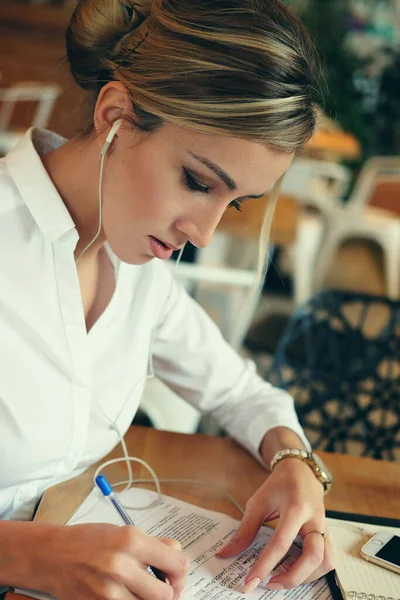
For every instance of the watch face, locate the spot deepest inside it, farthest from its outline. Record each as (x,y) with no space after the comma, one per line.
(322,467)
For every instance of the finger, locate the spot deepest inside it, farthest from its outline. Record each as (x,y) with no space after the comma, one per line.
(310,560)
(105,588)
(172,562)
(246,532)
(124,594)
(94,586)
(173,544)
(152,551)
(328,562)
(170,542)
(277,548)
(139,581)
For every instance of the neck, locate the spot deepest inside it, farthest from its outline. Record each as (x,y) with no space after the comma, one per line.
(74,169)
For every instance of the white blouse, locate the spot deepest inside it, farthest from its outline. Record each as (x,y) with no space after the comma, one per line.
(60,386)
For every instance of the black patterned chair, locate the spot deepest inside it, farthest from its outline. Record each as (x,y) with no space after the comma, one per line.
(339,357)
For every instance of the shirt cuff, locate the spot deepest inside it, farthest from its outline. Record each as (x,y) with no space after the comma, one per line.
(259,428)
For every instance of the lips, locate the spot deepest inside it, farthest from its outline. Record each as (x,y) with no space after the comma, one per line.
(168,245)
(161,249)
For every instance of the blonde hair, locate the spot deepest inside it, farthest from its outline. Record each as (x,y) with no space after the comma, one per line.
(244,68)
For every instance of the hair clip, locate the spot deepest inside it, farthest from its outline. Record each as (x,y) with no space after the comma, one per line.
(140,43)
(124,60)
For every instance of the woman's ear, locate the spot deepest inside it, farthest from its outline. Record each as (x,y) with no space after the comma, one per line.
(112,103)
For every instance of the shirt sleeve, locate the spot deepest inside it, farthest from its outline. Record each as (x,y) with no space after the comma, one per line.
(193,359)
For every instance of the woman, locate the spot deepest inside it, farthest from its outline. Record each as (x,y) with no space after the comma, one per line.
(207,102)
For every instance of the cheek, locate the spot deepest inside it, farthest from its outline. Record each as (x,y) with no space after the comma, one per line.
(158,197)
(144,195)
(135,194)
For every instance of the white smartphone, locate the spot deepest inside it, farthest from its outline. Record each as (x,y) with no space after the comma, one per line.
(384,550)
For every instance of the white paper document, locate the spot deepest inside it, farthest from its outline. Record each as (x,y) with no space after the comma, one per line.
(201,533)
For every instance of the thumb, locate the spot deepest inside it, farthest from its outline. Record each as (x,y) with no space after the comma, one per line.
(170,542)
(245,534)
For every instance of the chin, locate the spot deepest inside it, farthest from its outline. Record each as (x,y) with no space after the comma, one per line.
(129,259)
(130,256)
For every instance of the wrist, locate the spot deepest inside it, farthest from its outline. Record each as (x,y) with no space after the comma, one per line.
(277,439)
(24,554)
(298,474)
(292,466)
(310,460)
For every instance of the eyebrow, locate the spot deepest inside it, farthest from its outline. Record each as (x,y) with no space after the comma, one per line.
(227,179)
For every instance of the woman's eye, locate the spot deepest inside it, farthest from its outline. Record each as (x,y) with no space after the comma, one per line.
(193,184)
(235,204)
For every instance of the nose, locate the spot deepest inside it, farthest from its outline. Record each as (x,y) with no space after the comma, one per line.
(199,230)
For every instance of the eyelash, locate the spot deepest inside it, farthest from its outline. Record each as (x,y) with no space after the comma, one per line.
(196,186)
(235,204)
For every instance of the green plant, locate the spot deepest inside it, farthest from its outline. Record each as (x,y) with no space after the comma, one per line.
(386,122)
(328,24)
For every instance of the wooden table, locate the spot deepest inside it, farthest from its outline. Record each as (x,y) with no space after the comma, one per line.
(360,485)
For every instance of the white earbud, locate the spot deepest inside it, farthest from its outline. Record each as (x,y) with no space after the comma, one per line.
(103,153)
(110,137)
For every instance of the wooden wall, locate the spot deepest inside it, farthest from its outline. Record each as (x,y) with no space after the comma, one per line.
(32,48)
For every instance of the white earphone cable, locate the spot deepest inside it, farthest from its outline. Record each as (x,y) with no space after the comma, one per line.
(103,156)
(126,458)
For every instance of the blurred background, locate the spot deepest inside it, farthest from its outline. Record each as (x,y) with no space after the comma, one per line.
(326,323)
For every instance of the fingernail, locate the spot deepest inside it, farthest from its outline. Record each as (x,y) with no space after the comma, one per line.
(251,585)
(275,587)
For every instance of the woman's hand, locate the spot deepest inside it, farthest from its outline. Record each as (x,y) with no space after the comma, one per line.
(294,494)
(106,562)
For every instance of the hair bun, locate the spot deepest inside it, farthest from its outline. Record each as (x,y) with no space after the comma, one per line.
(95,30)
(244,68)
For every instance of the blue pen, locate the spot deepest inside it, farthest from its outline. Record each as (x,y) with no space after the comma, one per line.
(108,493)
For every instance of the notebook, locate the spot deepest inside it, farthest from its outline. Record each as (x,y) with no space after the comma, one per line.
(357,579)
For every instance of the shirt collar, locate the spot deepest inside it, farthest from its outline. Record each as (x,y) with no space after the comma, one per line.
(34,184)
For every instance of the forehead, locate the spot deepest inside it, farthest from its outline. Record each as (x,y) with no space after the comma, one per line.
(247,162)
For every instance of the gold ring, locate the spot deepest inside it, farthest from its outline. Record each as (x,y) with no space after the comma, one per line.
(322,533)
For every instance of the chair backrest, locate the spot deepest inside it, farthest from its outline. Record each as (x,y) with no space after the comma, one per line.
(339,357)
(316,183)
(222,286)
(378,169)
(386,194)
(44,95)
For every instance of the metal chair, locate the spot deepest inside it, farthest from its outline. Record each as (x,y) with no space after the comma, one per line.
(44,95)
(318,185)
(320,235)
(222,283)
(339,357)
